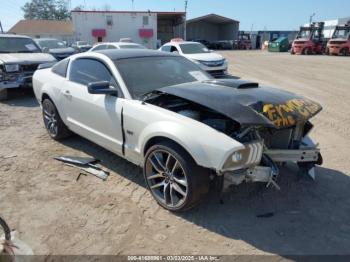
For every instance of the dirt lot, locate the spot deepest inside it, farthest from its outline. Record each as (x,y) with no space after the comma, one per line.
(54,214)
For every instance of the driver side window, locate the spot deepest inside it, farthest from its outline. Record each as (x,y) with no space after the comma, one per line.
(84,71)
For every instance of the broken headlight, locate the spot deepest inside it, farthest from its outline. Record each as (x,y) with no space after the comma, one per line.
(247,157)
(12,68)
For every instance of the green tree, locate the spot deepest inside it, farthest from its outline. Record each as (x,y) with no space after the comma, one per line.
(46,10)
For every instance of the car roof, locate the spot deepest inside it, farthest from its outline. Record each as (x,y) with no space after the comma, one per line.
(115,54)
(117,43)
(45,39)
(181,42)
(14,36)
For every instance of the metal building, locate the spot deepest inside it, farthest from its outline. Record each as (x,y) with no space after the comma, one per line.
(212,28)
(147,28)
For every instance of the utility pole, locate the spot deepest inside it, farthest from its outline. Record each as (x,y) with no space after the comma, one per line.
(132,5)
(311,17)
(185,29)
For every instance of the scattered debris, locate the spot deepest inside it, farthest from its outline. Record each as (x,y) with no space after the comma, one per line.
(86,164)
(266,215)
(8,156)
(77,160)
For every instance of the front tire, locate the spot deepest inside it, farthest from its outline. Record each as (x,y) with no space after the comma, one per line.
(307,51)
(3,94)
(345,52)
(53,122)
(175,181)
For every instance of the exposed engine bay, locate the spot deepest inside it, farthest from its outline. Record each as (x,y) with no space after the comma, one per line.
(268,146)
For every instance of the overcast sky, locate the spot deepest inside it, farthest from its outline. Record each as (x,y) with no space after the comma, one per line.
(259,14)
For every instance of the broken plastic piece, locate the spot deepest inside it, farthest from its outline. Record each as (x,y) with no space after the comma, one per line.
(77,160)
(85,164)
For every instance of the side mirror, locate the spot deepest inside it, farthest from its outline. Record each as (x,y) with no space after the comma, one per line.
(102,88)
(46,50)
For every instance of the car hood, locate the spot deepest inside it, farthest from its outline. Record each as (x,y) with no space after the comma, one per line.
(205,57)
(62,50)
(247,103)
(302,40)
(340,40)
(26,58)
(84,46)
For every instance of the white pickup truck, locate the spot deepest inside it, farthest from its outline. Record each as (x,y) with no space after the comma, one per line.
(20,56)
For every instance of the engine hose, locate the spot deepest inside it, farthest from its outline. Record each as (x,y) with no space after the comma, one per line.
(6,229)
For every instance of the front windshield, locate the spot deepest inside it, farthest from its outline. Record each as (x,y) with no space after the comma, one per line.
(146,74)
(51,44)
(341,33)
(18,45)
(82,43)
(194,48)
(280,39)
(306,33)
(132,47)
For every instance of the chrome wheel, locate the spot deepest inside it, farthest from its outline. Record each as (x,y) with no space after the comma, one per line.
(50,119)
(166,178)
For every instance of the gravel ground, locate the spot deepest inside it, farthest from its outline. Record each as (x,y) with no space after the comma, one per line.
(55,214)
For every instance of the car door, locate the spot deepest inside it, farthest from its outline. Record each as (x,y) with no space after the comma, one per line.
(94,116)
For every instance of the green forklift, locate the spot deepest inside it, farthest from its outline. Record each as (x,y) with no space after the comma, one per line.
(280,44)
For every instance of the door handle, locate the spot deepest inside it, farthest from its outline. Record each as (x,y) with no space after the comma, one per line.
(67,94)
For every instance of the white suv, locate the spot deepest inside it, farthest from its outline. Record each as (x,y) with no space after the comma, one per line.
(213,63)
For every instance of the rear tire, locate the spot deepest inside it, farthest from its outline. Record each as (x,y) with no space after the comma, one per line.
(53,122)
(3,94)
(175,181)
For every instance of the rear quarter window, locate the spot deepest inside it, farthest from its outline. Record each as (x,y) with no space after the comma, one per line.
(61,68)
(166,48)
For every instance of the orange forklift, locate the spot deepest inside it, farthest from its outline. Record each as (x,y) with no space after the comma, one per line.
(340,42)
(244,42)
(310,40)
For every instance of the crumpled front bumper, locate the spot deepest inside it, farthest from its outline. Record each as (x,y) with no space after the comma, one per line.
(16,80)
(260,164)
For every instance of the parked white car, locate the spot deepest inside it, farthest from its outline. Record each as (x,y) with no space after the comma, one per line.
(117,45)
(213,63)
(20,56)
(81,46)
(160,111)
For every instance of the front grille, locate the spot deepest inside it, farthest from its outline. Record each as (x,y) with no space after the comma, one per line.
(338,42)
(29,68)
(213,63)
(217,72)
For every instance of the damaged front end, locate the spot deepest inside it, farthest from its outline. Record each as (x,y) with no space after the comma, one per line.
(271,149)
(273,125)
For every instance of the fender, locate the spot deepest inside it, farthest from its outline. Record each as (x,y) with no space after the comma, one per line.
(208,147)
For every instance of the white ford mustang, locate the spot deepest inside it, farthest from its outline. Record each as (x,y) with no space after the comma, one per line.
(161,111)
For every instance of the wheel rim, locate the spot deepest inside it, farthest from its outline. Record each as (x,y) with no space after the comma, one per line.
(50,119)
(166,178)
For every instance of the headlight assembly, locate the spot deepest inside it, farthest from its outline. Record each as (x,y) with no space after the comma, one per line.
(247,157)
(12,68)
